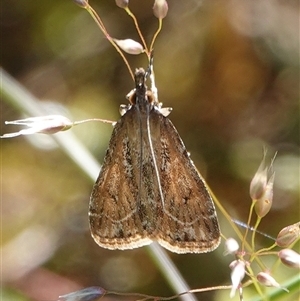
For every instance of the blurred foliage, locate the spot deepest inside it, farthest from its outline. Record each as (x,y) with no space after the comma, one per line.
(229,69)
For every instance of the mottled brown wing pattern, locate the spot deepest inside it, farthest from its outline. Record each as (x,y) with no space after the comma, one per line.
(148,188)
(189,222)
(115,221)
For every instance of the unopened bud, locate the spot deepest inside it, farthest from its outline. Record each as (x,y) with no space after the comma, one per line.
(264,203)
(290,258)
(88,294)
(130,46)
(267,280)
(122,3)
(50,124)
(231,246)
(160,8)
(288,235)
(237,275)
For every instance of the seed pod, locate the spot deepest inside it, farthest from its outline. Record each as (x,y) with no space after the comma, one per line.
(288,235)
(267,280)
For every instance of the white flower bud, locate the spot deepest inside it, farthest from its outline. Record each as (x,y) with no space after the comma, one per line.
(160,8)
(130,46)
(231,246)
(50,124)
(237,275)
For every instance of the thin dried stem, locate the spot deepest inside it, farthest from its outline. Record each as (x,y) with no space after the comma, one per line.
(138,29)
(93,119)
(159,298)
(156,34)
(248,225)
(254,232)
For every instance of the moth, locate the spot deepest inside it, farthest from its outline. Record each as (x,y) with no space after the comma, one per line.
(148,188)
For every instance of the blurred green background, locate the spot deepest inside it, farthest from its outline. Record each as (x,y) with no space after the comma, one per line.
(229,69)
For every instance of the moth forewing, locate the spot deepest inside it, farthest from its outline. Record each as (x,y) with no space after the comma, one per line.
(189,223)
(113,213)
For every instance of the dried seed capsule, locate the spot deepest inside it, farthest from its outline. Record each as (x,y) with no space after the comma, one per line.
(267,280)
(288,235)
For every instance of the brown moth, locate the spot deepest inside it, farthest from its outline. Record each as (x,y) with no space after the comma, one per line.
(148,188)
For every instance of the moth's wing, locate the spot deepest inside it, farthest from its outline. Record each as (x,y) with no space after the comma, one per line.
(114,219)
(189,223)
